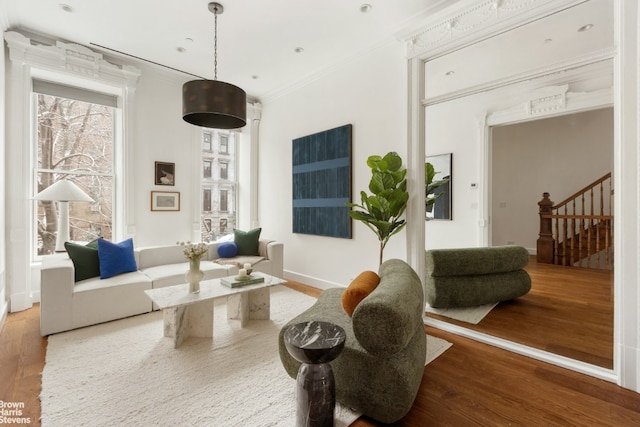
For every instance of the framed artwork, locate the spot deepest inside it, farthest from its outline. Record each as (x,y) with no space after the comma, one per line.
(322,183)
(165,201)
(438,195)
(165,173)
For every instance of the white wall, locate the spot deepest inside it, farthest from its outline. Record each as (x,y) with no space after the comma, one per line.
(558,155)
(161,135)
(369,93)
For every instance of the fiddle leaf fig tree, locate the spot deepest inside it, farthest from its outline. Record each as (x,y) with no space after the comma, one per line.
(381,211)
(431,186)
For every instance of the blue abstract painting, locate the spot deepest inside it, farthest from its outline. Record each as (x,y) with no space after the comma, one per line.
(322,183)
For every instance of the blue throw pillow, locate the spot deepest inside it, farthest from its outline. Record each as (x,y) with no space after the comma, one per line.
(227,250)
(116,258)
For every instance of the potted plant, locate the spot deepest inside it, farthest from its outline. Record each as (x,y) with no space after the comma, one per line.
(381,211)
(431,186)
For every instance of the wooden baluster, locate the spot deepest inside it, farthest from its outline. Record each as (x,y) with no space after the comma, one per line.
(556,243)
(545,243)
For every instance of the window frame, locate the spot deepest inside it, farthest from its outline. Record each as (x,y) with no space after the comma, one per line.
(35,149)
(225,155)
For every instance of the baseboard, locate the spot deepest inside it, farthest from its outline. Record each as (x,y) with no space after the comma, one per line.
(311,281)
(629,360)
(534,353)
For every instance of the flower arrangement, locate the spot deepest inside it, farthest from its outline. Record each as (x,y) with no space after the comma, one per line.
(194,251)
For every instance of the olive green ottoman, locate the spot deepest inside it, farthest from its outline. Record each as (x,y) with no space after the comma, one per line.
(468,277)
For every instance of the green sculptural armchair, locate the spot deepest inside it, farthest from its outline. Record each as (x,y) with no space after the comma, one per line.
(381,366)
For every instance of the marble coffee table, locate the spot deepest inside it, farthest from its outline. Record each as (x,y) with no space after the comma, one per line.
(186,314)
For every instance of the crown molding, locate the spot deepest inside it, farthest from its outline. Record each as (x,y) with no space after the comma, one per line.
(572,67)
(69,57)
(476,21)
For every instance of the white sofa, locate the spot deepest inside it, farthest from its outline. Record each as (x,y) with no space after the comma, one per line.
(66,305)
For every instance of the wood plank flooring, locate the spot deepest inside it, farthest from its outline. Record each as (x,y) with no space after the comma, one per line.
(569,311)
(471,384)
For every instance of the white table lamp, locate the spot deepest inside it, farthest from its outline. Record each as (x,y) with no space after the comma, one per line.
(63,192)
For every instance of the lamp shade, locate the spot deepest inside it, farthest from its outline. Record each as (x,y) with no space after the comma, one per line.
(63,191)
(214,104)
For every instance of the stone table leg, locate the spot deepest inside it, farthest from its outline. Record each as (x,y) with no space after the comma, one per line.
(260,304)
(195,320)
(249,305)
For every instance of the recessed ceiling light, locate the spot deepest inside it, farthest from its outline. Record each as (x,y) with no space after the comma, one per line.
(365,8)
(449,73)
(66,7)
(585,28)
(298,50)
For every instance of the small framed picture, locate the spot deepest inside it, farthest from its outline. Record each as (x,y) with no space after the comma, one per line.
(165,173)
(165,201)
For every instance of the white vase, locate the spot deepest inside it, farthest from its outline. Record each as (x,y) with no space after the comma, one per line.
(194,275)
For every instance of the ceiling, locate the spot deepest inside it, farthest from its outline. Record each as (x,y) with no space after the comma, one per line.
(580,31)
(257,40)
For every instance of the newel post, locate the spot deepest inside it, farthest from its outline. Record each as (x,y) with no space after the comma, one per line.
(545,239)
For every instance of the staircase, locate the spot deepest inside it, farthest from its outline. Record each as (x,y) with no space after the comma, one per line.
(579,230)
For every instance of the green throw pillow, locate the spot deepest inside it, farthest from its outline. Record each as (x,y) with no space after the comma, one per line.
(247,241)
(85,259)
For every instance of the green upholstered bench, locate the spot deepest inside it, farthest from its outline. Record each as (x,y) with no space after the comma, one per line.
(469,277)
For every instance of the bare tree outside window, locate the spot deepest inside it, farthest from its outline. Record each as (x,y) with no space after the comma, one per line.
(75,142)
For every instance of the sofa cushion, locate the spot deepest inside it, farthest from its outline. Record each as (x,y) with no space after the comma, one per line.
(386,320)
(116,258)
(160,255)
(227,250)
(86,263)
(247,241)
(358,290)
(474,261)
(474,290)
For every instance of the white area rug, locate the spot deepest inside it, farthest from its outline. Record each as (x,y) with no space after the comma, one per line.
(464,314)
(125,373)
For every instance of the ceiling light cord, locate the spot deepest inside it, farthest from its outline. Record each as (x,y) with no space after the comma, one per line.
(215,45)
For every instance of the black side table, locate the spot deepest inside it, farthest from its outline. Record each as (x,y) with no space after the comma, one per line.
(315,344)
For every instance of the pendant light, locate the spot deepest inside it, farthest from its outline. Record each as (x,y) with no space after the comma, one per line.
(212,103)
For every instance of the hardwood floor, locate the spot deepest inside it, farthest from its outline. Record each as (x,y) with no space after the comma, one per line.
(22,356)
(569,311)
(471,384)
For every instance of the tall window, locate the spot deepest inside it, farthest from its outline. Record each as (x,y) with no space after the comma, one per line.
(206,203)
(224,168)
(224,144)
(206,141)
(219,183)
(206,168)
(224,199)
(75,140)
